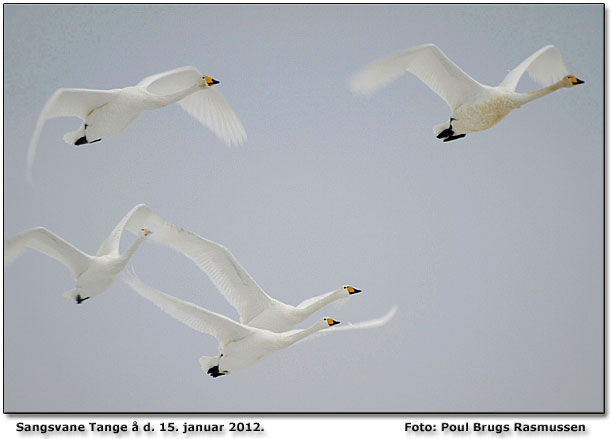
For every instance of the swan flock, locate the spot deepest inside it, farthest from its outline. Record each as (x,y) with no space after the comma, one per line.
(265,324)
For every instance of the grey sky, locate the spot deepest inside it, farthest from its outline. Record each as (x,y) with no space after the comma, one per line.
(491,246)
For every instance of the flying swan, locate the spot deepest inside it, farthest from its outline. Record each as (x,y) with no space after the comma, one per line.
(93,274)
(254,306)
(240,346)
(474,107)
(109,112)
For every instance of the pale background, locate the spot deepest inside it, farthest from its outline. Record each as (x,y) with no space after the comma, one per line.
(491,246)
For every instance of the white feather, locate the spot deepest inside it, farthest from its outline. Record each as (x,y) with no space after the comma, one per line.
(240,346)
(109,112)
(474,107)
(255,307)
(94,274)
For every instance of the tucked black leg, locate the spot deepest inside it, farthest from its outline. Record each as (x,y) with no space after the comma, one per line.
(80,299)
(94,141)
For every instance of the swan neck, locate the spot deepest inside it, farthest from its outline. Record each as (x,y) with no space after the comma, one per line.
(175,97)
(322,301)
(524,98)
(129,252)
(299,335)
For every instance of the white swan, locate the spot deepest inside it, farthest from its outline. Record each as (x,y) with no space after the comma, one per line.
(94,274)
(254,306)
(109,112)
(474,107)
(240,346)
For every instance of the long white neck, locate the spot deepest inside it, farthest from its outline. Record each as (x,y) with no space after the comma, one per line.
(162,101)
(296,336)
(524,98)
(320,302)
(129,252)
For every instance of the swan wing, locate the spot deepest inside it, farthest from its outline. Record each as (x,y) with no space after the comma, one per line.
(172,81)
(200,319)
(223,269)
(210,108)
(111,244)
(77,102)
(50,244)
(545,67)
(367,324)
(426,62)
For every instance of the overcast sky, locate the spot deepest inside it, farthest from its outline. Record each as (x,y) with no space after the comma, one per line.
(491,246)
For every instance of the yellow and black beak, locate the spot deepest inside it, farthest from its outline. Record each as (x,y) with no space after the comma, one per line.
(210,81)
(332,322)
(352,290)
(576,81)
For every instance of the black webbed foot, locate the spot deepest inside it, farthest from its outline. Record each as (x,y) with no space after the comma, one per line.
(445,133)
(81,141)
(448,139)
(214,372)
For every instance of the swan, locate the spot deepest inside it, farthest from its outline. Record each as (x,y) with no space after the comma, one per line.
(93,274)
(240,345)
(109,112)
(474,107)
(254,306)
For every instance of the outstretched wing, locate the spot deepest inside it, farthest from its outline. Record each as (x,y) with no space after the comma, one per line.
(172,81)
(367,324)
(50,244)
(545,67)
(210,108)
(77,102)
(222,328)
(111,244)
(223,269)
(207,105)
(426,62)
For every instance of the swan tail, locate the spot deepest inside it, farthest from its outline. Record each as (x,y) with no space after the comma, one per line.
(70,295)
(206,363)
(76,137)
(437,129)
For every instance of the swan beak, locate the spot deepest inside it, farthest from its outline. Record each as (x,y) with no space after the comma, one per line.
(332,322)
(353,290)
(576,81)
(210,81)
